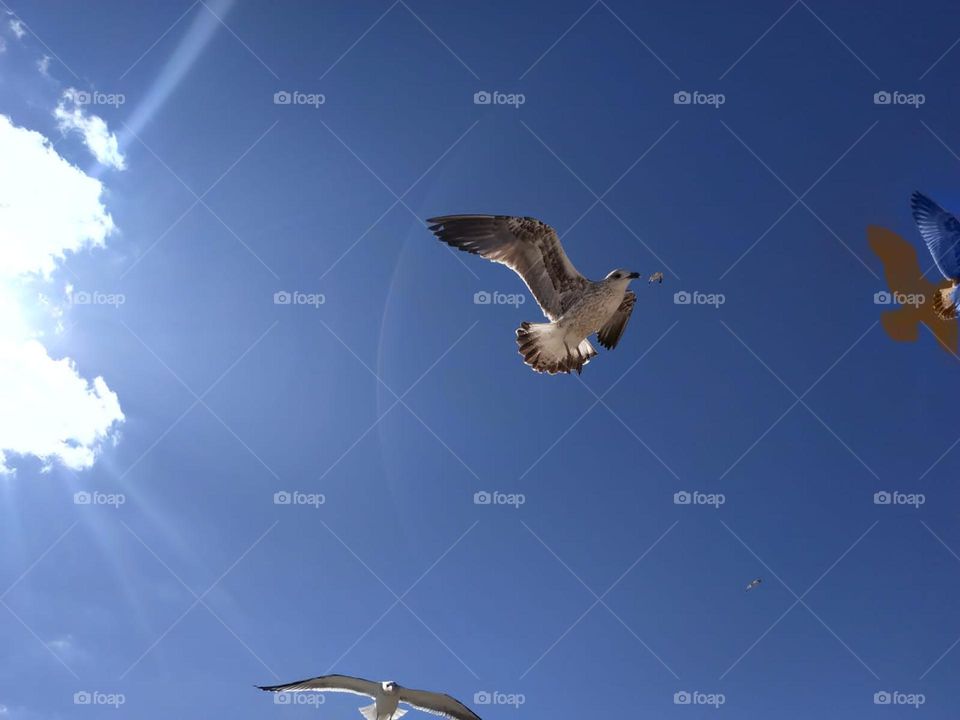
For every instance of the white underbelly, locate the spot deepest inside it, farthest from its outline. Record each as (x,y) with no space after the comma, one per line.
(588,316)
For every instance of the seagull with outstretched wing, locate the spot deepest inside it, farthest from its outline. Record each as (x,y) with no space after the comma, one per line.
(941,233)
(575,306)
(755,583)
(386,695)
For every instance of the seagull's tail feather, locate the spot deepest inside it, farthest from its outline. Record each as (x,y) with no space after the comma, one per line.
(945,302)
(369,711)
(545,349)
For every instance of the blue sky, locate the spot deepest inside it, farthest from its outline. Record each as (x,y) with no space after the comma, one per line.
(397,398)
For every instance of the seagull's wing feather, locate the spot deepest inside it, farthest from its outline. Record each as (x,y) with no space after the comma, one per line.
(941,233)
(610,333)
(438,704)
(329,683)
(526,245)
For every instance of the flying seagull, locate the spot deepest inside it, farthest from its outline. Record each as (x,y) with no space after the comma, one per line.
(941,233)
(575,306)
(387,695)
(754,583)
(657,277)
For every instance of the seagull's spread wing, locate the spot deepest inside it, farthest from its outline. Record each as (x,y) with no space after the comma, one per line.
(754,583)
(329,683)
(525,245)
(610,333)
(941,233)
(437,704)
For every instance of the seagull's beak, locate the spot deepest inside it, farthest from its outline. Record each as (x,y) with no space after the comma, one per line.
(633,275)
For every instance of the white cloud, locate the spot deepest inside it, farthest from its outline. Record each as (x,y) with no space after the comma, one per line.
(18,29)
(47,206)
(96,135)
(43,65)
(3,45)
(47,209)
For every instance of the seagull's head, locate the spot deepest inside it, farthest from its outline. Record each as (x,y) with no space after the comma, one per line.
(624,276)
(389,687)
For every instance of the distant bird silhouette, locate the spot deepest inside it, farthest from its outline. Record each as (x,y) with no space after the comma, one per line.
(657,277)
(941,233)
(575,306)
(754,583)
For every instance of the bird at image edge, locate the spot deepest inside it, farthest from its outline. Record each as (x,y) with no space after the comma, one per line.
(386,695)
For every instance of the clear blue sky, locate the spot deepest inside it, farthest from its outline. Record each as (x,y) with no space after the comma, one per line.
(304,398)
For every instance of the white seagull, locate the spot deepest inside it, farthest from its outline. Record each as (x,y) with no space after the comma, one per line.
(754,583)
(575,306)
(941,233)
(386,695)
